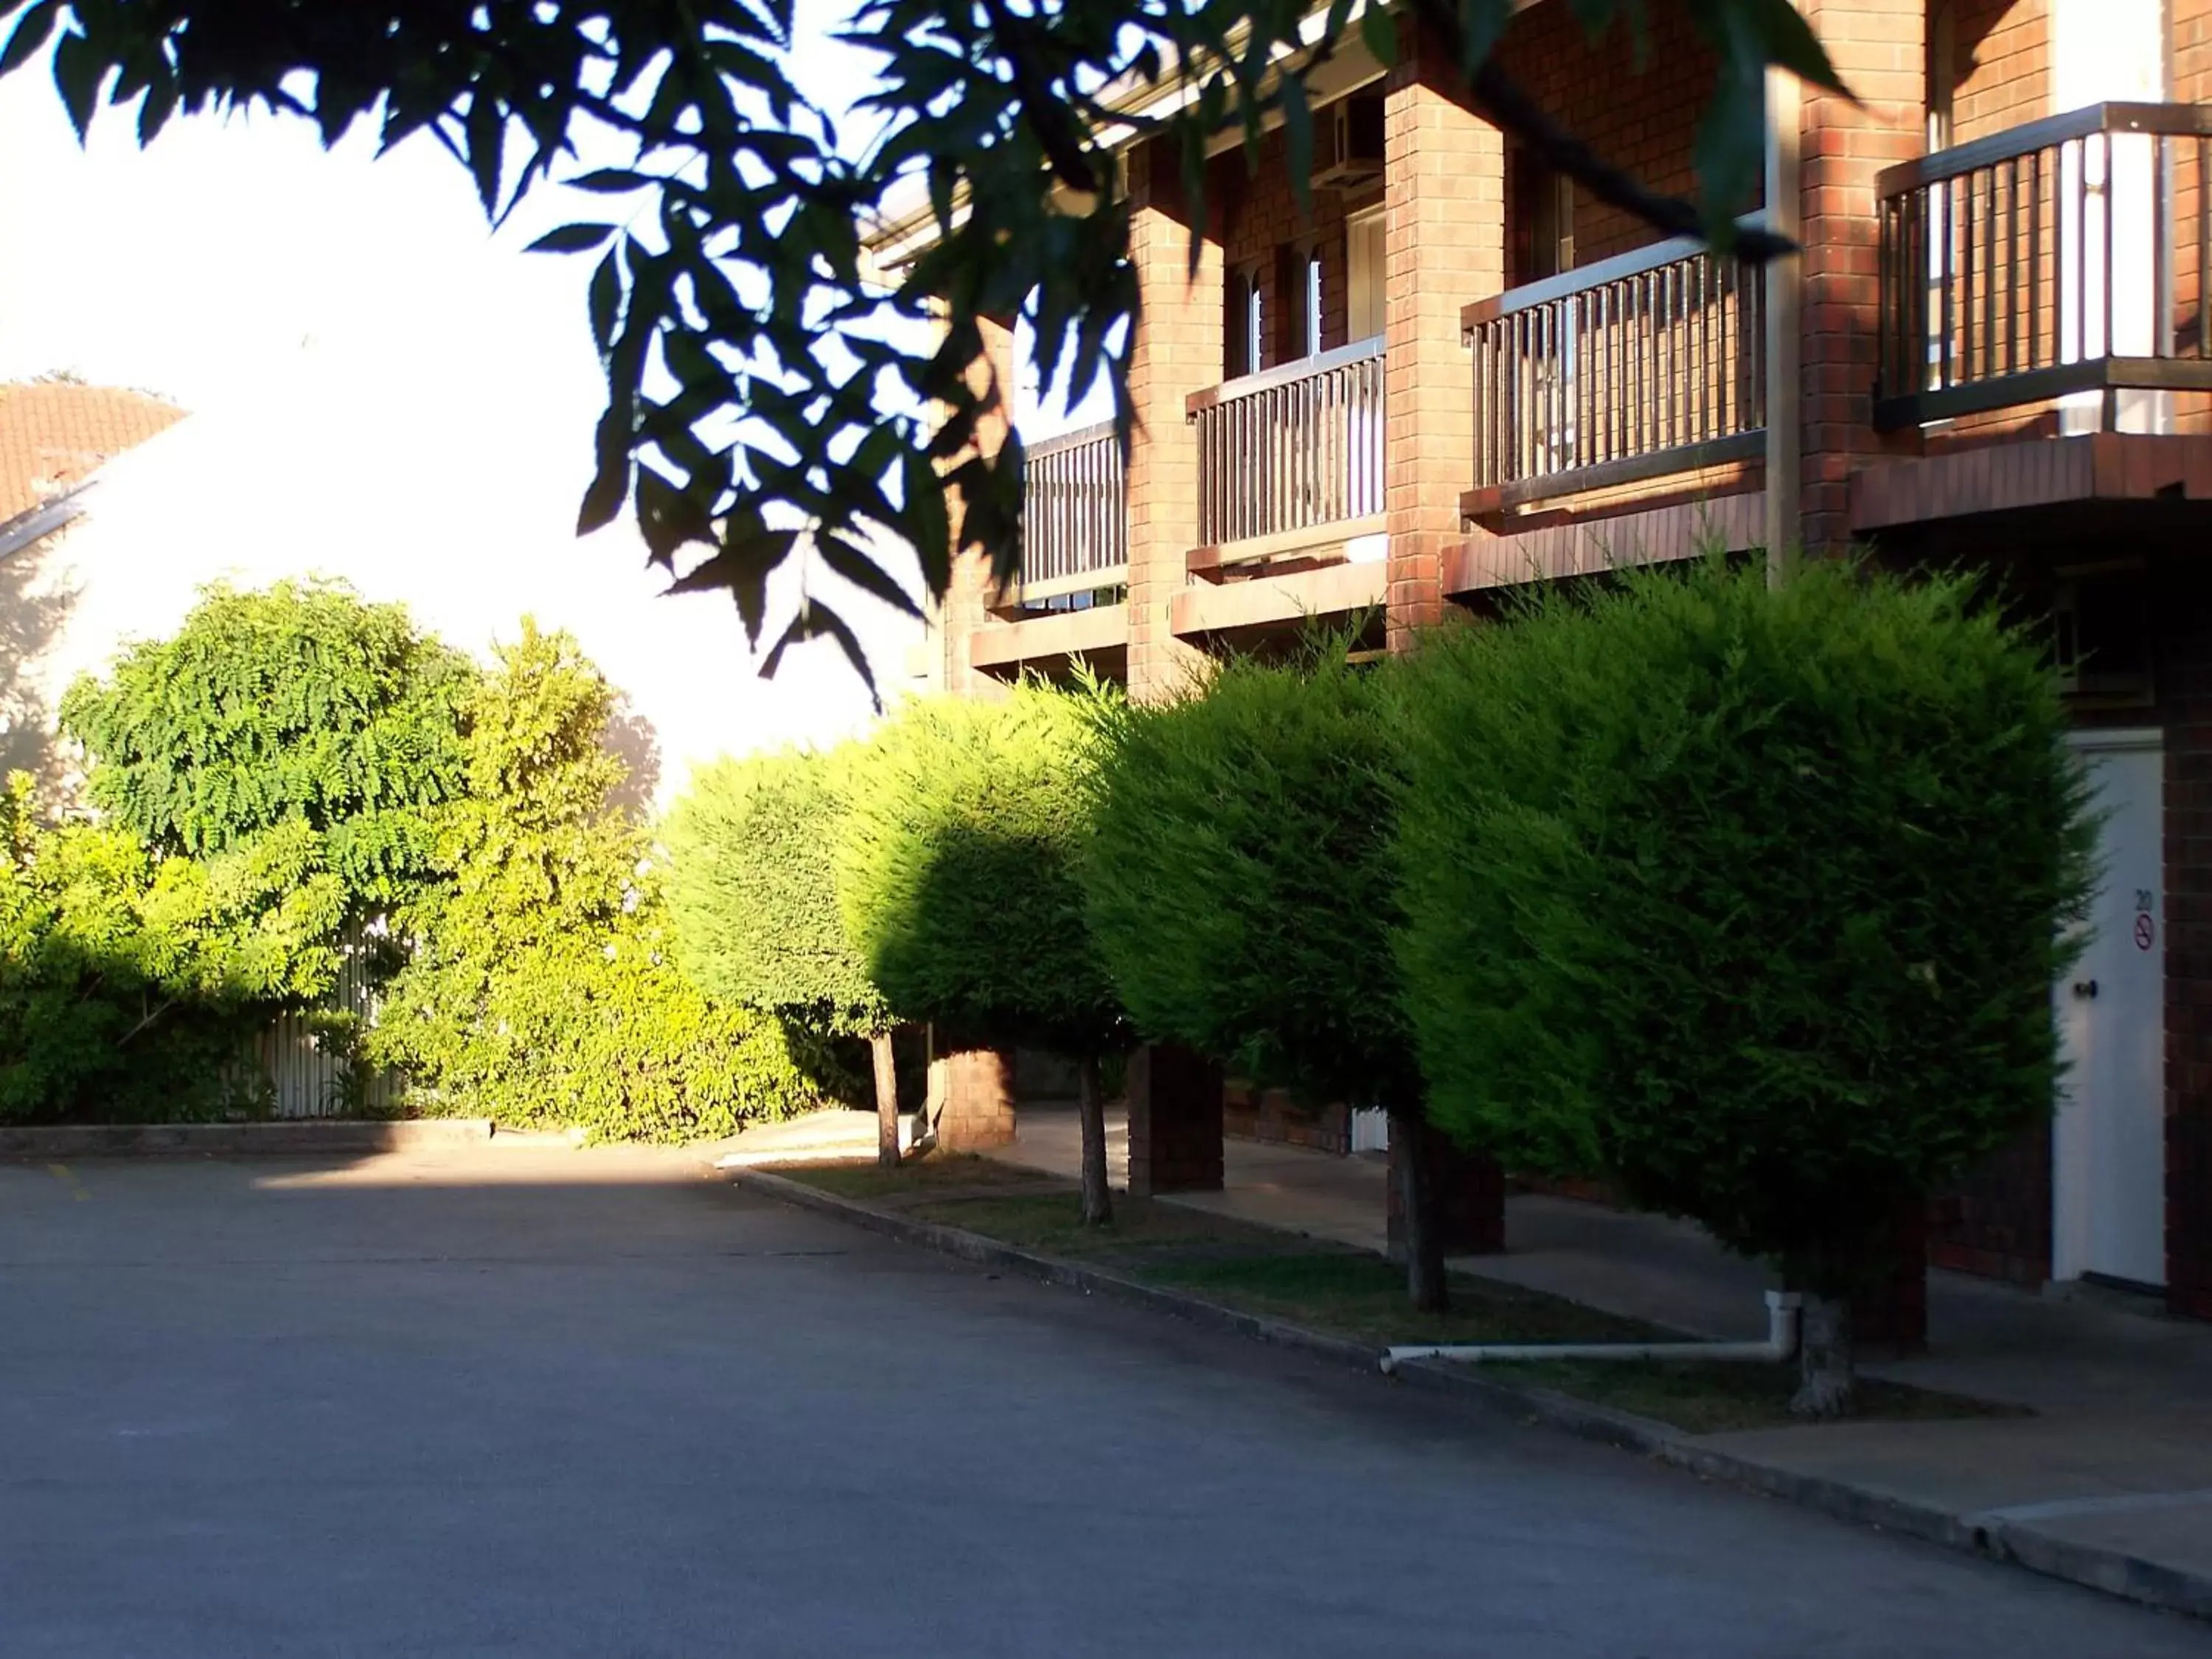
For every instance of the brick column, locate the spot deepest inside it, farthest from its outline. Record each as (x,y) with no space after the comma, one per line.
(973,1090)
(965,606)
(1444,192)
(1470,1196)
(1175,350)
(1174,1121)
(1878,48)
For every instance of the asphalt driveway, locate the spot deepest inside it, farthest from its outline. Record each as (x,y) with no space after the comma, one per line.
(548,1403)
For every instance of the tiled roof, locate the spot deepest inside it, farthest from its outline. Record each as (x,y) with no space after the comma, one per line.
(52,435)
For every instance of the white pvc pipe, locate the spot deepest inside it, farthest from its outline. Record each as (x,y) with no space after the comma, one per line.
(1781,1308)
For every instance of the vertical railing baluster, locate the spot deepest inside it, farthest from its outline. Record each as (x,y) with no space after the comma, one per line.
(2111,266)
(1989,177)
(2012,266)
(2035,357)
(2203,251)
(1943,283)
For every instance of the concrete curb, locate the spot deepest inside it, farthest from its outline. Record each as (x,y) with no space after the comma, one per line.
(306,1136)
(2113,1571)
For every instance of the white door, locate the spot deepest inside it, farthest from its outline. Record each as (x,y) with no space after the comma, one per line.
(2109,51)
(2108,1144)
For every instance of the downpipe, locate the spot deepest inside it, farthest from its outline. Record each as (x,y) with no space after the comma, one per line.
(1782,1315)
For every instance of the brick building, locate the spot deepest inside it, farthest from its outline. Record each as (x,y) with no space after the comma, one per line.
(1458,373)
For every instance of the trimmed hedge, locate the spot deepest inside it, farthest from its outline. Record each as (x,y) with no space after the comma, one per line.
(959,876)
(752,888)
(1240,881)
(1750,901)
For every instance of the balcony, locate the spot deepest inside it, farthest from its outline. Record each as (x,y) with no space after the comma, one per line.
(1290,461)
(1647,366)
(2043,291)
(2063,260)
(1068,604)
(1075,521)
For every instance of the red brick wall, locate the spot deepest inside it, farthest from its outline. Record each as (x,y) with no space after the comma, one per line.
(1260,215)
(1996,1222)
(1445,245)
(1642,117)
(2000,65)
(2181,601)
(968,596)
(2190,44)
(1879,49)
(1270,1114)
(1175,350)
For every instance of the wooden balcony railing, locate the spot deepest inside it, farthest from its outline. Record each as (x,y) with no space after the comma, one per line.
(1292,450)
(1075,521)
(2066,257)
(1638,366)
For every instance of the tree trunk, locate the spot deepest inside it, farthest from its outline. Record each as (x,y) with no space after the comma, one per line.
(1826,1383)
(1417,1203)
(1097,1195)
(887,1146)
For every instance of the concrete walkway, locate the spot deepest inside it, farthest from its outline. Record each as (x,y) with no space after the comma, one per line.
(2118,1457)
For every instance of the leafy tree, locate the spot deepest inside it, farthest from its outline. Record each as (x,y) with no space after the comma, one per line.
(958,878)
(1751,901)
(752,888)
(302,705)
(542,990)
(1243,894)
(130,981)
(757,379)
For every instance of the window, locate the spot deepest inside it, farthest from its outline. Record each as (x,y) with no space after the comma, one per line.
(1363,268)
(1242,348)
(1543,219)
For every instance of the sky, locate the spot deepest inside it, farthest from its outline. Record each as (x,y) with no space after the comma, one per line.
(358,313)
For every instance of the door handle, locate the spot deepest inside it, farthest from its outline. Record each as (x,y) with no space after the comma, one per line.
(2085,987)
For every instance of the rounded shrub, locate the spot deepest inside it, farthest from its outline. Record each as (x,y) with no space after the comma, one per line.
(752,891)
(1243,893)
(958,878)
(1749,900)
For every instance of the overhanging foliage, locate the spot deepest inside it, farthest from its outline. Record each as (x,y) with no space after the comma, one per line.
(763,389)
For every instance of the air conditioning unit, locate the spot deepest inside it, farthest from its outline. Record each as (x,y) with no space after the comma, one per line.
(1348,148)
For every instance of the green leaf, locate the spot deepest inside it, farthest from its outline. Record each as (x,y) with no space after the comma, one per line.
(79,73)
(858,566)
(606,299)
(610,485)
(571,239)
(926,523)
(813,621)
(487,146)
(613,181)
(1379,29)
(30,34)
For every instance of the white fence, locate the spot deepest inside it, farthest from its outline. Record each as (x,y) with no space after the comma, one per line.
(294,1057)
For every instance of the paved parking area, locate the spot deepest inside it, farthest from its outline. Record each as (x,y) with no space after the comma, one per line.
(540,1402)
